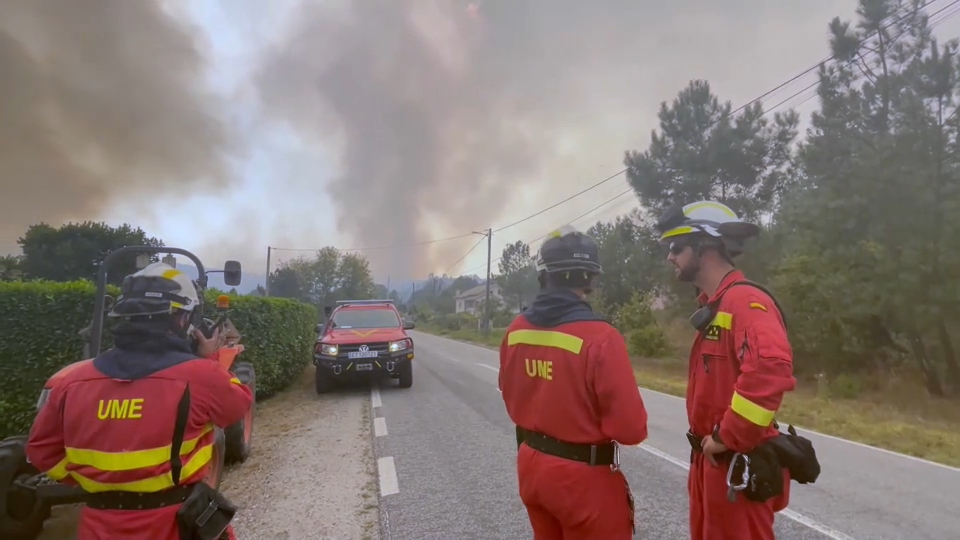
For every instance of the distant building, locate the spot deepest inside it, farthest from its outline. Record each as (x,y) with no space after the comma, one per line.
(470,300)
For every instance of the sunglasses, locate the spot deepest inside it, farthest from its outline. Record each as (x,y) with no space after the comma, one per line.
(677,247)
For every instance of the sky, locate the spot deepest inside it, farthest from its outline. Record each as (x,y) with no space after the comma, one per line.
(227,127)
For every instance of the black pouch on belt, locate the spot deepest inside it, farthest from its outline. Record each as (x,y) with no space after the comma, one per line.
(205,514)
(765,475)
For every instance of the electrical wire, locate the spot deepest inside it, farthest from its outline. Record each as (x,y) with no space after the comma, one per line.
(465,255)
(742,107)
(625,169)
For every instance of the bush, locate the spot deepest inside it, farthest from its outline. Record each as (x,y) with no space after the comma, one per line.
(637,321)
(40,322)
(277,334)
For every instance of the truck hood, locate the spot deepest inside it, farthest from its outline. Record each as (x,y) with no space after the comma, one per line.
(363,335)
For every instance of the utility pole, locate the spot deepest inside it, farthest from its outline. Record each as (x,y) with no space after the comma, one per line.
(266,286)
(486,303)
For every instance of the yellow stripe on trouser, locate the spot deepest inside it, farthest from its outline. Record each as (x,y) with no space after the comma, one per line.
(546,338)
(159,482)
(751,411)
(127,461)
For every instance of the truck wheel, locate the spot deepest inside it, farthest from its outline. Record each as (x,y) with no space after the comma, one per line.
(323,380)
(21,513)
(406,375)
(215,472)
(239,435)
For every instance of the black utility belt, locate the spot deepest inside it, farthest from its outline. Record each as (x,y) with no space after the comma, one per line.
(128,500)
(591,454)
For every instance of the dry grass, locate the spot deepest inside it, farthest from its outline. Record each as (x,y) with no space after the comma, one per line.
(899,416)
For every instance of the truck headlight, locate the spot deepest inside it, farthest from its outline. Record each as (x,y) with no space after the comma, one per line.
(327,349)
(400,345)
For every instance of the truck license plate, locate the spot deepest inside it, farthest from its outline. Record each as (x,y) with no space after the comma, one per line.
(364,367)
(362,354)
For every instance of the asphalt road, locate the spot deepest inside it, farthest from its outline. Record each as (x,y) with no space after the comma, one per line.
(446,461)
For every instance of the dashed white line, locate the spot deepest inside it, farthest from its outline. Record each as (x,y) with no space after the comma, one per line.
(375,397)
(379,426)
(388,476)
(491,368)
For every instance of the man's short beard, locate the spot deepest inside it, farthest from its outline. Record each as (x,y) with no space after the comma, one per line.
(688,273)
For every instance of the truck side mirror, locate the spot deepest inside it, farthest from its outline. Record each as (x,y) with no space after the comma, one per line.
(327,310)
(232,273)
(319,328)
(409,325)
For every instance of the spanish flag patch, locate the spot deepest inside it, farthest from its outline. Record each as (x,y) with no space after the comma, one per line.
(757,305)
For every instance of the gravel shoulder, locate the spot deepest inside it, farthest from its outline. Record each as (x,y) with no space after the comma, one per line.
(310,476)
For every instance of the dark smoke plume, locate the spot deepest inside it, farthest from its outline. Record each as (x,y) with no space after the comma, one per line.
(440,109)
(100,101)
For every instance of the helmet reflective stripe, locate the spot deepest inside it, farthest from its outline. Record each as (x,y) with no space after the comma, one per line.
(702,217)
(155,290)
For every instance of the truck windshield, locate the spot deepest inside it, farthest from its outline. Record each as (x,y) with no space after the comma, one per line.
(366,318)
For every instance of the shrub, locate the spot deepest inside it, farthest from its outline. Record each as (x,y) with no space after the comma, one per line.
(637,321)
(40,321)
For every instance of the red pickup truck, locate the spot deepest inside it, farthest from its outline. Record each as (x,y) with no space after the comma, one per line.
(363,339)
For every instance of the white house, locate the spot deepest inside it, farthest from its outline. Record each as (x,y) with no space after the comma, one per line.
(470,300)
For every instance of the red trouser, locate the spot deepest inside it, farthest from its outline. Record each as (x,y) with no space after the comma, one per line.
(569,500)
(158,524)
(714,517)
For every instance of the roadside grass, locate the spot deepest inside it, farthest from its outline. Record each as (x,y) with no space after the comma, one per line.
(898,416)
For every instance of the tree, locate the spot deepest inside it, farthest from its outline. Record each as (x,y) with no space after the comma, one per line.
(10,268)
(704,151)
(518,277)
(75,250)
(630,258)
(325,278)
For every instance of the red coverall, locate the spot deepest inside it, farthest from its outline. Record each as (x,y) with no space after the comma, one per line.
(108,434)
(573,382)
(740,367)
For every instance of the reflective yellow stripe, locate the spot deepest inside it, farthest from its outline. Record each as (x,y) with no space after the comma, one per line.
(723,320)
(235,380)
(59,471)
(709,204)
(128,461)
(676,232)
(751,411)
(546,338)
(152,484)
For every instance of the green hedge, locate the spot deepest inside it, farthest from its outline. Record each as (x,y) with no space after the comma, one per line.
(40,321)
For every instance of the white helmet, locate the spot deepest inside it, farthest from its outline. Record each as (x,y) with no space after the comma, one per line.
(157,289)
(709,218)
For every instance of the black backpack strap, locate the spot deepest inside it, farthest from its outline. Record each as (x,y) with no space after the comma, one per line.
(179,429)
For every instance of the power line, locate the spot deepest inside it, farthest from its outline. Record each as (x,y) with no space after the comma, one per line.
(465,255)
(872,54)
(581,216)
(625,169)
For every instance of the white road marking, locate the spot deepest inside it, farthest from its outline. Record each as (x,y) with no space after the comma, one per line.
(375,397)
(491,368)
(841,439)
(388,476)
(379,427)
(795,516)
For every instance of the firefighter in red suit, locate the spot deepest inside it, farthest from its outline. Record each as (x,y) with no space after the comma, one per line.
(740,367)
(569,387)
(108,425)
